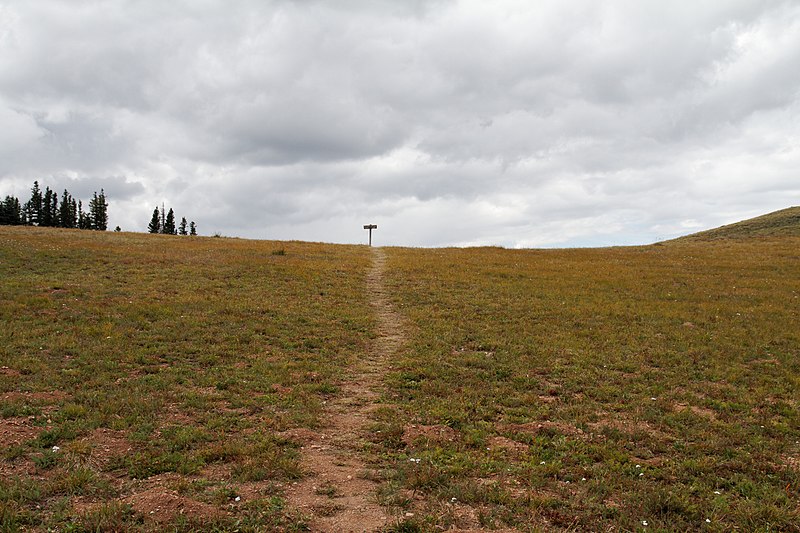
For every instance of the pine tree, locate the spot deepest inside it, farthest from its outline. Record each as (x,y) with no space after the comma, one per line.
(10,212)
(182,227)
(67,211)
(103,209)
(5,212)
(192,228)
(98,211)
(54,214)
(84,222)
(169,224)
(155,222)
(47,219)
(33,208)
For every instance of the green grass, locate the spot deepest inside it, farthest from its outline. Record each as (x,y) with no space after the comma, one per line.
(539,389)
(597,389)
(193,352)
(783,223)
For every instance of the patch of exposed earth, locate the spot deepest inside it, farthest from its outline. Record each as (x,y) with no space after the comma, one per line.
(339,491)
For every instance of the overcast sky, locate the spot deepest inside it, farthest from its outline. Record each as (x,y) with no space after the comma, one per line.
(513,123)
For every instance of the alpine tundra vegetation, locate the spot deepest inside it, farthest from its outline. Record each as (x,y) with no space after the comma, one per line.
(153,383)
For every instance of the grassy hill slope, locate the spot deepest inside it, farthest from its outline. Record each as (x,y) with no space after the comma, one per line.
(785,222)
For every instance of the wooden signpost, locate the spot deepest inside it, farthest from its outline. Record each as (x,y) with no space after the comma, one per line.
(370,227)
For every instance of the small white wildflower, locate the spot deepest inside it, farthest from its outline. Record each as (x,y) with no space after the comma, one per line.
(717,492)
(638,466)
(583,479)
(644,523)
(641,474)
(708,520)
(541,463)
(56,448)
(237,499)
(653,398)
(453,500)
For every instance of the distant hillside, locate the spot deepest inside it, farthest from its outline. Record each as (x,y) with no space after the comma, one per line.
(785,222)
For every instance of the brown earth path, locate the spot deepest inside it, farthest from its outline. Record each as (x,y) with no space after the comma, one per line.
(338,493)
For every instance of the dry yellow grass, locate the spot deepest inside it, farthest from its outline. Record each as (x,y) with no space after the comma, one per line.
(537,389)
(600,388)
(164,371)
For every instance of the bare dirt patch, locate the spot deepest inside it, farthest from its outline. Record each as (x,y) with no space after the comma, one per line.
(699,411)
(5,371)
(544,426)
(626,424)
(17,430)
(764,361)
(793,461)
(162,505)
(511,447)
(44,396)
(338,492)
(435,434)
(106,444)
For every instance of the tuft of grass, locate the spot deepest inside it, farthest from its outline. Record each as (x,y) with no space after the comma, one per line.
(328,489)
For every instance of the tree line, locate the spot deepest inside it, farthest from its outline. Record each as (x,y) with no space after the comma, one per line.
(162,222)
(45,209)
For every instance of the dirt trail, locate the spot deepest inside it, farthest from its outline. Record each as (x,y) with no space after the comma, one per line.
(335,494)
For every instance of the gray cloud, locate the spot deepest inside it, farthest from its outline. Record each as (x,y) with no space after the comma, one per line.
(555,123)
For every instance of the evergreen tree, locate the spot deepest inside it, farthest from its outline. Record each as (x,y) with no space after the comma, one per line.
(54,214)
(182,227)
(117,229)
(84,222)
(33,208)
(192,228)
(163,218)
(155,222)
(98,211)
(10,212)
(47,218)
(169,224)
(67,211)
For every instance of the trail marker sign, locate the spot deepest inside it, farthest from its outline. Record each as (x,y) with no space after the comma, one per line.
(370,227)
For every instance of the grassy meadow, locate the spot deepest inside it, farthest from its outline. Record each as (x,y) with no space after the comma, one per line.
(637,388)
(146,380)
(153,382)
